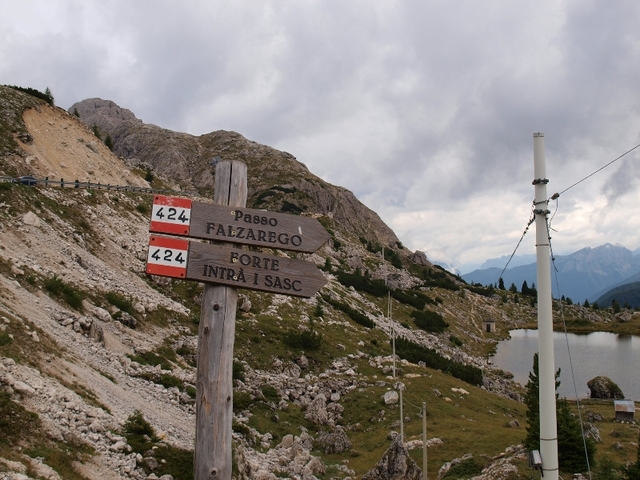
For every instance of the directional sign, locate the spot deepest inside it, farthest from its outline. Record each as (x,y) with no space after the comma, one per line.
(167,257)
(236,225)
(235,267)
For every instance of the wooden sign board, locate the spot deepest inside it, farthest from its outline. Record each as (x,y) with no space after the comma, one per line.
(234,267)
(246,226)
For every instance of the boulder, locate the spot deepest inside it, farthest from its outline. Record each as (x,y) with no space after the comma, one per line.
(391,397)
(604,387)
(395,464)
(333,442)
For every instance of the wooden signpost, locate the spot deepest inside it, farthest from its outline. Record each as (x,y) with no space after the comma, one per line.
(224,268)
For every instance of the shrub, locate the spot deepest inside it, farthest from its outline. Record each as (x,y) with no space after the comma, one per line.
(417,353)
(467,468)
(305,340)
(150,358)
(270,393)
(120,301)
(417,300)
(137,425)
(241,401)
(288,207)
(237,372)
(71,295)
(376,288)
(5,339)
(46,96)
(168,381)
(355,315)
(429,321)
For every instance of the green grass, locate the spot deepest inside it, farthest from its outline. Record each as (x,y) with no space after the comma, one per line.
(73,296)
(120,301)
(23,431)
(141,437)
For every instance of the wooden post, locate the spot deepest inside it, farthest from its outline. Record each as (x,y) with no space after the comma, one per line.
(214,397)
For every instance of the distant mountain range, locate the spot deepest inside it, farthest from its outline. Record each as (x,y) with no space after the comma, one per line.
(588,273)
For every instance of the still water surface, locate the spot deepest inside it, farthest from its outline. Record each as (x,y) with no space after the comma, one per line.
(600,353)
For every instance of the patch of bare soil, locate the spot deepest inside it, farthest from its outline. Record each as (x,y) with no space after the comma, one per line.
(63,147)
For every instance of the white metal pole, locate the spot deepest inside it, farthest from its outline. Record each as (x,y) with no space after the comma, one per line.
(546,362)
(393,338)
(424,440)
(401,417)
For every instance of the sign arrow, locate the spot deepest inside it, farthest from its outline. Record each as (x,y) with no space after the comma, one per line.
(234,267)
(179,216)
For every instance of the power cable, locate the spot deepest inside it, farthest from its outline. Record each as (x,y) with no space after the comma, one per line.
(556,195)
(566,337)
(526,229)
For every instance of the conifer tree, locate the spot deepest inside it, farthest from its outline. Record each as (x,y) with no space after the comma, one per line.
(571,447)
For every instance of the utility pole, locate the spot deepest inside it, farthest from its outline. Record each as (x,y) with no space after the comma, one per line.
(546,362)
(214,394)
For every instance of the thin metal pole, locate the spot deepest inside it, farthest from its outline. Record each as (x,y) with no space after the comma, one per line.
(393,336)
(401,417)
(424,440)
(546,362)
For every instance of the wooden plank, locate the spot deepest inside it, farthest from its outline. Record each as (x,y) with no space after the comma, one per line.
(240,225)
(253,270)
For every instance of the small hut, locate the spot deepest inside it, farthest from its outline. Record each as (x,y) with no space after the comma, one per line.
(624,410)
(489,325)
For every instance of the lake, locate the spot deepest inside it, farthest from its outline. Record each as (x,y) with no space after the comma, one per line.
(599,353)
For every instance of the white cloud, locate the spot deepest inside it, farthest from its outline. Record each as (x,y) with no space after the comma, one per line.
(424,109)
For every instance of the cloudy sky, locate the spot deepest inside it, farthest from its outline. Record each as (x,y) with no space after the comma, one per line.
(425,109)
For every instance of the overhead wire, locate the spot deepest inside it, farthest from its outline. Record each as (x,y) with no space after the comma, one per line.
(566,338)
(596,171)
(555,196)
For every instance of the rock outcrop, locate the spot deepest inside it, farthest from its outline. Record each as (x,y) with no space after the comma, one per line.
(395,464)
(604,387)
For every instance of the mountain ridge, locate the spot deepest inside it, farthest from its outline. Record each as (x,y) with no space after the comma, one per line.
(187,159)
(583,274)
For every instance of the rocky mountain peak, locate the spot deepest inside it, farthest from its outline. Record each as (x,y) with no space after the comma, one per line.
(277,180)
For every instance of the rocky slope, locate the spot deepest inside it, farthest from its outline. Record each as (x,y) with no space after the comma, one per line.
(88,341)
(275,178)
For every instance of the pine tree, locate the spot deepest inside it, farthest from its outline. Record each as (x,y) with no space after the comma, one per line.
(49,95)
(501,284)
(571,456)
